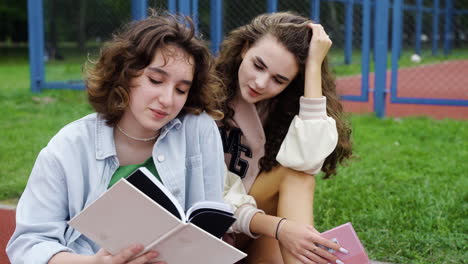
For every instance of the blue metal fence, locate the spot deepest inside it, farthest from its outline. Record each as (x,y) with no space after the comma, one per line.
(366,23)
(36,46)
(381,47)
(365,49)
(399,10)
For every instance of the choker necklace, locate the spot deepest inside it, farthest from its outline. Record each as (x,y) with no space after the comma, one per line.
(135,138)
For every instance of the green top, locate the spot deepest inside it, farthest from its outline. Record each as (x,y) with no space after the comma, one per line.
(124,171)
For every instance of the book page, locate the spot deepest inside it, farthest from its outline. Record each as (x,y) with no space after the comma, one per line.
(211,216)
(209,204)
(123,216)
(212,221)
(146,182)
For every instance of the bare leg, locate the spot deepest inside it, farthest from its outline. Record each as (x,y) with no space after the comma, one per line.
(296,202)
(264,250)
(285,193)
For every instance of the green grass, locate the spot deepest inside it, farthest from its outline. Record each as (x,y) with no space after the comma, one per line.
(28,121)
(405,192)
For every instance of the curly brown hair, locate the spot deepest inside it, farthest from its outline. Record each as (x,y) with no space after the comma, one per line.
(292,32)
(133,48)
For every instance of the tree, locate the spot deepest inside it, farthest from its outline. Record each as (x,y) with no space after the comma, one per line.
(81,41)
(13,21)
(51,45)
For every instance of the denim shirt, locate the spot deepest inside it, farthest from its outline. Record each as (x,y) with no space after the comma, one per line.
(76,166)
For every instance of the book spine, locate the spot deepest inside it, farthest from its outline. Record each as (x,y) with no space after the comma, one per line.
(176,229)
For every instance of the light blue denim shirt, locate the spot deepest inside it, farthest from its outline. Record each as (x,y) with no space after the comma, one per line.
(76,166)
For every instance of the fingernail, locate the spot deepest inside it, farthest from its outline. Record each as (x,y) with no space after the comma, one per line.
(339,261)
(342,250)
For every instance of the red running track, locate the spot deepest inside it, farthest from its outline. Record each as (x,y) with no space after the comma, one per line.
(447,80)
(7,227)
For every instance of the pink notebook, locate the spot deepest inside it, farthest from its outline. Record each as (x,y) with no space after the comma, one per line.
(348,239)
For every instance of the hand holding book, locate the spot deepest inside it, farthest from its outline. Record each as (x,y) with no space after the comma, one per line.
(301,240)
(130,254)
(345,236)
(337,245)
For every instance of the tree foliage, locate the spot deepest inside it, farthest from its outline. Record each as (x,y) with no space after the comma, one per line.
(13,21)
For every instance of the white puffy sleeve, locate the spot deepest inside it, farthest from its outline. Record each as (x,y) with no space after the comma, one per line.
(311,137)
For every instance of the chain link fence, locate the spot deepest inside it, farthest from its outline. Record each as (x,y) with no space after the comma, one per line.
(74,32)
(433,57)
(432,46)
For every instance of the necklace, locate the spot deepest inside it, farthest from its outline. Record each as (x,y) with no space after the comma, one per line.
(135,138)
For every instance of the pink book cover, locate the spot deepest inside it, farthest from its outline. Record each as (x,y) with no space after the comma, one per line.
(345,236)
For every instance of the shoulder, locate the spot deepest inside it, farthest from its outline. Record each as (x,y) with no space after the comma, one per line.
(201,121)
(70,143)
(77,132)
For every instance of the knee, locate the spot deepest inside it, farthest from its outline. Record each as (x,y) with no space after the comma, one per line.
(296,179)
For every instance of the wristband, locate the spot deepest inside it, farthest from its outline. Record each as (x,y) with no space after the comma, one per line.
(278,226)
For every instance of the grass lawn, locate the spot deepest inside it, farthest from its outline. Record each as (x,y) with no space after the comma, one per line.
(405,191)
(28,121)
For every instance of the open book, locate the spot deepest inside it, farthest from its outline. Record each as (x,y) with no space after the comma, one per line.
(345,236)
(140,209)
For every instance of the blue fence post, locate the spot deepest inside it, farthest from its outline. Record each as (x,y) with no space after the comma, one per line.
(396,44)
(216,24)
(435,28)
(349,31)
(36,44)
(139,9)
(272,6)
(195,14)
(315,10)
(448,26)
(400,29)
(381,50)
(184,7)
(418,22)
(172,6)
(365,64)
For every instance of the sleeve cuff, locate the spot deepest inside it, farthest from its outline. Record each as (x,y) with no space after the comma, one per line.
(313,108)
(244,216)
(43,252)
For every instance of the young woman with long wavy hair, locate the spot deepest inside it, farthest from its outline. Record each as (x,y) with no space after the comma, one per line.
(283,124)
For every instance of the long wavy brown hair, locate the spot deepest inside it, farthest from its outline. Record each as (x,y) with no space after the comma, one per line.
(133,48)
(292,32)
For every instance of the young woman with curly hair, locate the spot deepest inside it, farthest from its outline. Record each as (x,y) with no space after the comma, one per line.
(153,93)
(283,124)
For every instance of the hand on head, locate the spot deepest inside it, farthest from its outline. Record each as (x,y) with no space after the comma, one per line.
(320,44)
